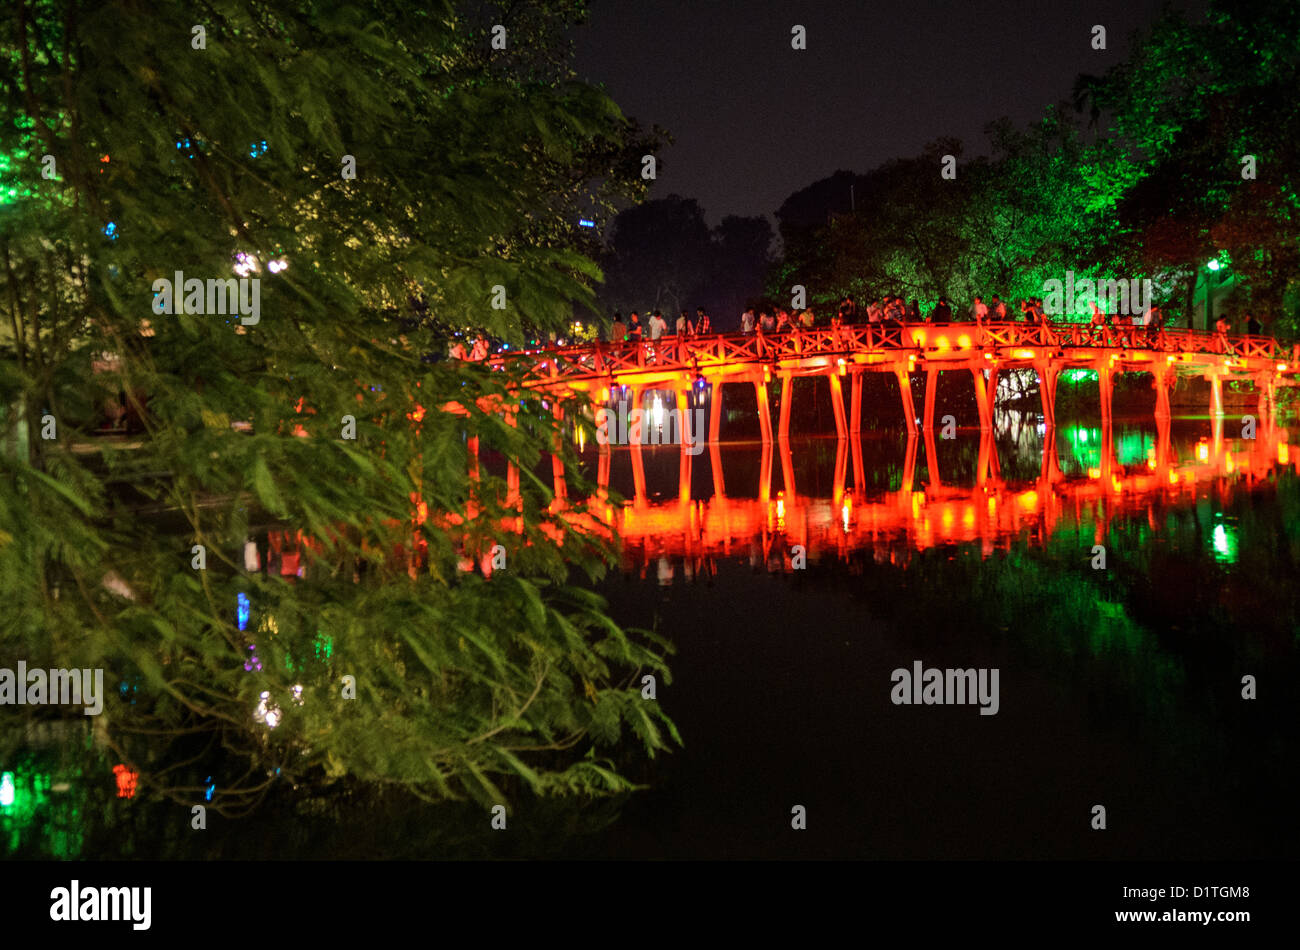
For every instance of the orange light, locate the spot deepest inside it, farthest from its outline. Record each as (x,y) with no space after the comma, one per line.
(126,779)
(963,341)
(941,343)
(1283,454)
(1094,473)
(1025,354)
(1203,452)
(1281,367)
(1173,478)
(1227,461)
(918,338)
(1028,500)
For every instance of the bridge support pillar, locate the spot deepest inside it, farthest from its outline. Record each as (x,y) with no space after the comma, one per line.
(787,468)
(855,404)
(715,463)
(635,434)
(1047,376)
(764,410)
(905,394)
(787,389)
(715,411)
(931,391)
(859,470)
(909,460)
(1106,384)
(837,404)
(1163,377)
(557,466)
(512,473)
(982,399)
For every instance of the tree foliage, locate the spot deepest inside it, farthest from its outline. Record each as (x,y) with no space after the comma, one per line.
(471,164)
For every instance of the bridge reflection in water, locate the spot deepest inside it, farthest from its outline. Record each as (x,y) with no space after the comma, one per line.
(924,510)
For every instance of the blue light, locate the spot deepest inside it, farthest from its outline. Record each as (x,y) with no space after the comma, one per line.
(111,230)
(210,789)
(586,223)
(242,612)
(257,148)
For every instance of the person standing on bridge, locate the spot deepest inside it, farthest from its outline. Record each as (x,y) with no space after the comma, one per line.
(618,329)
(634,328)
(998,309)
(979,310)
(684,327)
(848,310)
(765,322)
(658,325)
(942,312)
(1221,328)
(1253,326)
(807,319)
(746,320)
(1155,327)
(702,324)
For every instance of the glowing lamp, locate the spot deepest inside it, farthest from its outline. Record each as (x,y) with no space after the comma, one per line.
(1094,473)
(963,341)
(1203,452)
(8,792)
(1213,265)
(941,343)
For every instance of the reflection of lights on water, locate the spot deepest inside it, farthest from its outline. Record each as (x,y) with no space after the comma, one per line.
(1283,454)
(1224,540)
(968,517)
(1094,473)
(780,507)
(845,512)
(657,413)
(1028,500)
(1203,451)
(126,779)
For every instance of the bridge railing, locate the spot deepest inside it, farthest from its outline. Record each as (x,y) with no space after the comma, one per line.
(687,353)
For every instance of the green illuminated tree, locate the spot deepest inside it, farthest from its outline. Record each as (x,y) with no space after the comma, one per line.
(176,151)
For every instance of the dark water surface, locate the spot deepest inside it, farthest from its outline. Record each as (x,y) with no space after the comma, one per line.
(794,594)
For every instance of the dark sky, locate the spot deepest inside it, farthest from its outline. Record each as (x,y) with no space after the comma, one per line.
(755,120)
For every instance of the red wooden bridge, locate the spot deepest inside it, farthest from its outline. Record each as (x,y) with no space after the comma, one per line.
(676,363)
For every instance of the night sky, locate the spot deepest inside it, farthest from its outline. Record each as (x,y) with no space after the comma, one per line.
(755,120)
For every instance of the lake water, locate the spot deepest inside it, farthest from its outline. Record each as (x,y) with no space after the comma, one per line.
(796,584)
